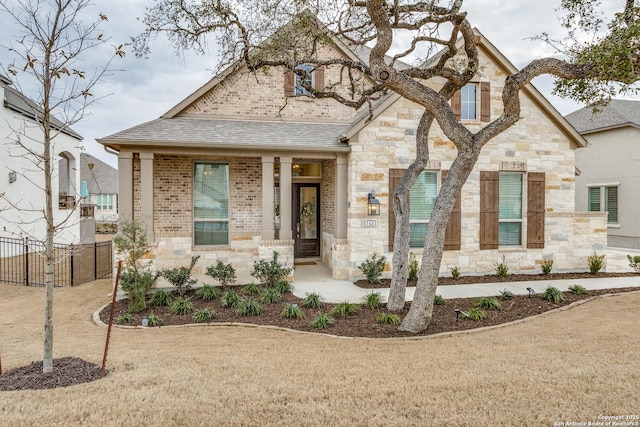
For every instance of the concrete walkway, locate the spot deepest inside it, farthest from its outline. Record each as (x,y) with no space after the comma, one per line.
(317,278)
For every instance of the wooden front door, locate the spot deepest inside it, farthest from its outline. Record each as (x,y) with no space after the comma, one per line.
(306,220)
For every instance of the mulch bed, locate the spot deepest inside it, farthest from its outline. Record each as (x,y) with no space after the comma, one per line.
(67,371)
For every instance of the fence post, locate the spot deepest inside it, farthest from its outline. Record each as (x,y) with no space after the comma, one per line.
(95,260)
(26,261)
(71,272)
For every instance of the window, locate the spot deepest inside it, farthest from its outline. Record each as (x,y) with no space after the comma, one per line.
(422,198)
(211,204)
(300,79)
(510,209)
(468,102)
(604,198)
(104,201)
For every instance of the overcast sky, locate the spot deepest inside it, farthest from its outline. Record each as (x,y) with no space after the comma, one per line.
(145,89)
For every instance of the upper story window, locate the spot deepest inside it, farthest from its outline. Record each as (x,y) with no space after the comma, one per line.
(304,79)
(473,102)
(211,204)
(468,102)
(293,82)
(604,198)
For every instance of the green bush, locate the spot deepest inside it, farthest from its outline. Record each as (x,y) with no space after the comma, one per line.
(322,321)
(153,320)
(181,277)
(136,277)
(312,300)
(414,268)
(292,311)
(553,294)
(225,274)
(474,314)
(387,318)
(230,299)
(546,266)
(372,300)
(455,272)
(124,318)
(373,267)
(270,296)
(502,269)
(578,290)
(506,295)
(161,298)
(596,262)
(248,307)
(634,262)
(203,315)
(270,272)
(438,300)
(489,303)
(182,306)
(208,292)
(344,309)
(252,289)
(284,287)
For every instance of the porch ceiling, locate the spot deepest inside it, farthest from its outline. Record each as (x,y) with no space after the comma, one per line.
(231,134)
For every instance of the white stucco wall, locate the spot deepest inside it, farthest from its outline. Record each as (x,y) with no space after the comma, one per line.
(22,207)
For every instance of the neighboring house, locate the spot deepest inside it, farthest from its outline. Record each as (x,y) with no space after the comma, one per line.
(22,186)
(609,179)
(101,182)
(232,175)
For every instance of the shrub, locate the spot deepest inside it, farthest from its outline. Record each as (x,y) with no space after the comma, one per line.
(634,262)
(438,300)
(203,315)
(506,295)
(136,278)
(312,300)
(124,318)
(270,296)
(546,266)
(230,299)
(181,277)
(387,318)
(373,267)
(292,311)
(344,309)
(322,321)
(225,274)
(252,289)
(489,303)
(414,268)
(208,292)
(474,314)
(182,306)
(372,300)
(553,294)
(502,269)
(578,290)
(153,320)
(455,272)
(248,307)
(596,262)
(161,298)
(284,287)
(270,272)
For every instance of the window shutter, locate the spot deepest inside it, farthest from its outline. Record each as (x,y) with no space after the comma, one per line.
(489,209)
(456,105)
(535,209)
(318,78)
(454,226)
(395,175)
(485,101)
(289,83)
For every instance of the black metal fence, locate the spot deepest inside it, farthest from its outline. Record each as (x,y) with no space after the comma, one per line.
(22,261)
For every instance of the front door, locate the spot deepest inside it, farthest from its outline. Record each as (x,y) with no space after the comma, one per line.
(306,220)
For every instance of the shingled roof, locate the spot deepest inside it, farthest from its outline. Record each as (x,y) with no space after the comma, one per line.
(619,113)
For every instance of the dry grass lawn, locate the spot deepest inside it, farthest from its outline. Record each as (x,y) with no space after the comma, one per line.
(567,366)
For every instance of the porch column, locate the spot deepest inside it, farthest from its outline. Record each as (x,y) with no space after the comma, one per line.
(268,220)
(125,185)
(285,198)
(146,193)
(341,197)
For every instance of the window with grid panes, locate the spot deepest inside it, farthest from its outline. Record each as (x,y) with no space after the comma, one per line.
(510,209)
(422,198)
